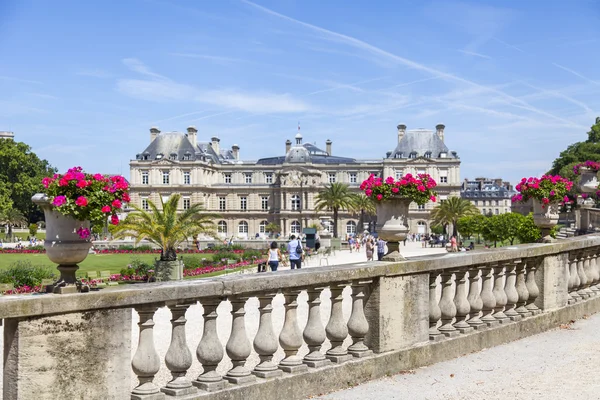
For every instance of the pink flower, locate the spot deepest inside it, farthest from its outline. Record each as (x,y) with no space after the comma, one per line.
(421,188)
(116,203)
(106,209)
(566,199)
(59,201)
(98,177)
(82,184)
(545,200)
(389,180)
(114,219)
(379,197)
(63,182)
(432,198)
(46,182)
(368,192)
(395,190)
(126,198)
(81,201)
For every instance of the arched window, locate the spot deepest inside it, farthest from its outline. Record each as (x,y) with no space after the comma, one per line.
(243,227)
(295,202)
(262,227)
(351,227)
(295,227)
(421,227)
(222,227)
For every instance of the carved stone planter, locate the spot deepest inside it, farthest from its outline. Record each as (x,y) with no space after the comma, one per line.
(392,226)
(64,246)
(588,183)
(545,218)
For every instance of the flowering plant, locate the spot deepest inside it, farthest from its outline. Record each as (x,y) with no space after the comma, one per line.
(547,189)
(593,165)
(87,197)
(419,189)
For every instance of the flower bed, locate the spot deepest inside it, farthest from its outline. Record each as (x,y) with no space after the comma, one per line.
(119,251)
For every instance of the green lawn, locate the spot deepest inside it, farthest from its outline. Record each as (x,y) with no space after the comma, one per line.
(94,262)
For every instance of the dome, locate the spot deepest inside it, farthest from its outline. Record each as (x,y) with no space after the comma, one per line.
(297,154)
(298,135)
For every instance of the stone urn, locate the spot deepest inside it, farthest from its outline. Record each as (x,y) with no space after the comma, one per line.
(392,226)
(588,183)
(64,246)
(545,218)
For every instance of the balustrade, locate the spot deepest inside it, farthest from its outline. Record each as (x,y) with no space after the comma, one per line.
(588,273)
(591,272)
(146,361)
(337,329)
(487,296)
(210,351)
(290,337)
(532,287)
(314,333)
(510,290)
(358,326)
(582,277)
(574,282)
(447,307)
(596,269)
(461,302)
(499,294)
(238,346)
(522,291)
(474,298)
(435,313)
(265,341)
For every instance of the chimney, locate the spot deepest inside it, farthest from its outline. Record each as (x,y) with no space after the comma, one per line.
(235,149)
(401,132)
(192,134)
(328,146)
(154,131)
(288,146)
(440,131)
(215,144)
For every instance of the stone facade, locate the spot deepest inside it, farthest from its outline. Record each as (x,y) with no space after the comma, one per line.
(490,196)
(281,189)
(7,135)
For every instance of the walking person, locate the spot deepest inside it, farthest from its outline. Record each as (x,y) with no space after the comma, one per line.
(453,245)
(380,249)
(294,247)
(274,256)
(370,247)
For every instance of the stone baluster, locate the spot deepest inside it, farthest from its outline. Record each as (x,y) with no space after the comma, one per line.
(265,341)
(290,337)
(532,287)
(582,276)
(179,357)
(447,306)
(522,291)
(238,346)
(510,289)
(146,361)
(474,298)
(487,296)
(314,332)
(210,349)
(571,279)
(595,267)
(574,281)
(461,302)
(499,294)
(336,328)
(435,313)
(358,326)
(590,272)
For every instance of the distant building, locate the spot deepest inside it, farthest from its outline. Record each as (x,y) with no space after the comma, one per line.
(490,196)
(7,135)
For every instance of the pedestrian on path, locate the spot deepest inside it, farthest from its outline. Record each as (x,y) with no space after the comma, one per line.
(295,250)
(370,247)
(274,256)
(380,249)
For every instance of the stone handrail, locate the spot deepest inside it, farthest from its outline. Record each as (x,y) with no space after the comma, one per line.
(394,307)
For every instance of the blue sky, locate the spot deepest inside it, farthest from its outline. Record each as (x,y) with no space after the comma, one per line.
(514,82)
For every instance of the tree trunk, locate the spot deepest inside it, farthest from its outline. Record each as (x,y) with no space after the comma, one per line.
(335,223)
(9,230)
(168,255)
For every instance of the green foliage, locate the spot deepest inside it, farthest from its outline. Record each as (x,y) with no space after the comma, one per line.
(21,173)
(11,218)
(196,262)
(23,273)
(471,225)
(528,232)
(137,267)
(166,227)
(508,225)
(272,227)
(33,228)
(335,197)
(437,229)
(416,188)
(451,210)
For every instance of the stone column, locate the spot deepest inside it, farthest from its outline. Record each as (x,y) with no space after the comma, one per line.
(435,313)
(336,329)
(179,357)
(447,306)
(510,289)
(210,349)
(594,268)
(358,325)
(487,296)
(146,361)
(265,341)
(552,281)
(574,281)
(499,294)
(522,291)
(461,302)
(314,332)
(290,337)
(582,276)
(238,346)
(589,272)
(474,298)
(531,284)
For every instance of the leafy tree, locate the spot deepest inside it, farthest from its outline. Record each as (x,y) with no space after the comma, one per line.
(272,227)
(437,229)
(335,197)
(451,210)
(471,225)
(33,228)
(528,232)
(364,206)
(492,230)
(508,225)
(12,218)
(166,228)
(21,173)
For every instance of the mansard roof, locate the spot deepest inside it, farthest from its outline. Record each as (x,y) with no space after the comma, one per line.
(167,144)
(306,153)
(421,143)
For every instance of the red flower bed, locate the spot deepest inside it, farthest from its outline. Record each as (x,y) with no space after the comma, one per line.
(21,251)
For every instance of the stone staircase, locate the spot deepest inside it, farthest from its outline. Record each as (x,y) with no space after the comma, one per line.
(566,232)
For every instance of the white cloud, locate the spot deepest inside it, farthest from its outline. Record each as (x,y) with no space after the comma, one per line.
(137,66)
(473,53)
(155,90)
(253,102)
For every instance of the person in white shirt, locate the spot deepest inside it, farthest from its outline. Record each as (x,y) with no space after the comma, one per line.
(274,256)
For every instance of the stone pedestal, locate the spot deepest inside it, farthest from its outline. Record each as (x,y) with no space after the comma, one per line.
(552,280)
(73,356)
(169,270)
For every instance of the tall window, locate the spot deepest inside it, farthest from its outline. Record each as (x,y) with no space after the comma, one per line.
(145,203)
(222,227)
(165,175)
(331,177)
(497,211)
(227,178)
(243,227)
(295,227)
(264,203)
(243,203)
(186,203)
(222,203)
(398,175)
(483,211)
(443,179)
(295,202)
(145,179)
(269,177)
(353,178)
(186,178)
(351,227)
(262,227)
(248,178)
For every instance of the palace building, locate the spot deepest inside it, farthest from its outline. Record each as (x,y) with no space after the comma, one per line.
(490,196)
(250,194)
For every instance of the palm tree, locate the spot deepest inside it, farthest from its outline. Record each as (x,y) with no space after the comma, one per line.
(451,210)
(364,206)
(334,197)
(10,218)
(166,228)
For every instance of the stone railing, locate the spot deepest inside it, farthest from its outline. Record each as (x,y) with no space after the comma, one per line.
(291,334)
